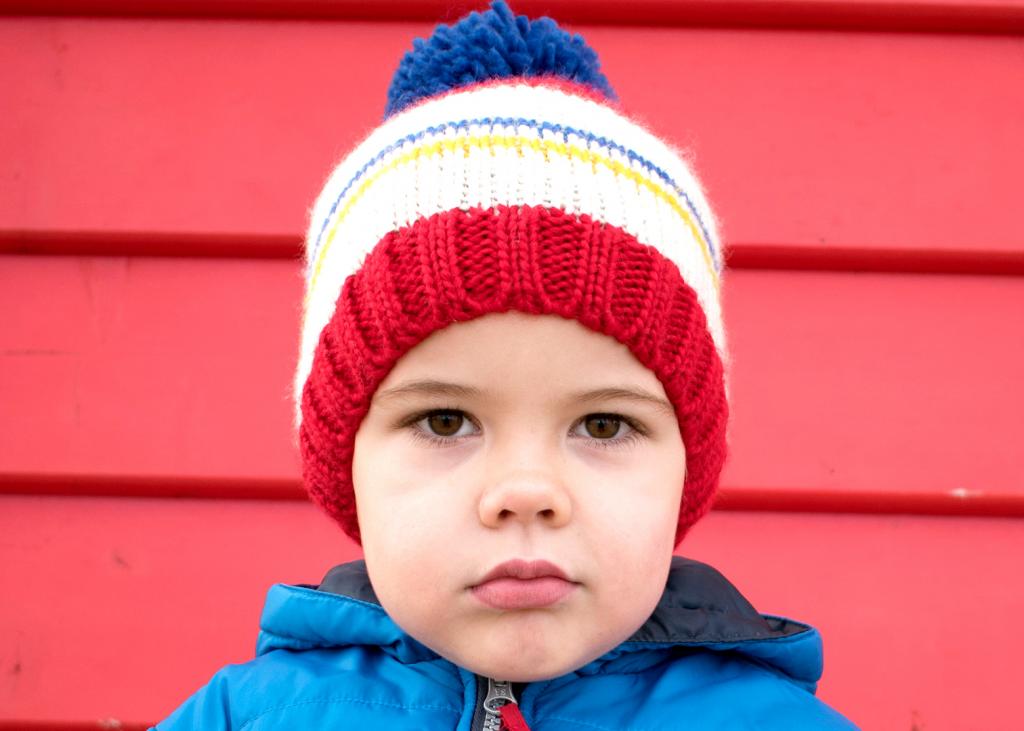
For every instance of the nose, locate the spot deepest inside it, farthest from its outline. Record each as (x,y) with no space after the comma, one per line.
(526,496)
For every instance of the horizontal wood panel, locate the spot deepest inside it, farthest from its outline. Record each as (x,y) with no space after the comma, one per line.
(165,369)
(1003,16)
(837,141)
(739,255)
(955,502)
(122,607)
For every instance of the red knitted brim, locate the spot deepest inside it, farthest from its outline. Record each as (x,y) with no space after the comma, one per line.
(460,265)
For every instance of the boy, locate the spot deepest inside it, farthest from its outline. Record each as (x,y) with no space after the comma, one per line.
(511,390)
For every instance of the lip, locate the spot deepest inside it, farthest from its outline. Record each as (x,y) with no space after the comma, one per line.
(520,584)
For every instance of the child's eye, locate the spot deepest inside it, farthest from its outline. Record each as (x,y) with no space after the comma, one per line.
(445,423)
(441,426)
(607,430)
(602,426)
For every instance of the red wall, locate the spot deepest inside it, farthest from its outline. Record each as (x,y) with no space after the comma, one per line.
(865,160)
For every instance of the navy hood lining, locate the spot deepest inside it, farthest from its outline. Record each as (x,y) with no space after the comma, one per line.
(349,579)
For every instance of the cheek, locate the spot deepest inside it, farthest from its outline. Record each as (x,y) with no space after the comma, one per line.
(407,557)
(635,534)
(634,497)
(637,561)
(629,519)
(406,528)
(391,489)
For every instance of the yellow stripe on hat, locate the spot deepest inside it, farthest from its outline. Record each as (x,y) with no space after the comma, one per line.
(492,142)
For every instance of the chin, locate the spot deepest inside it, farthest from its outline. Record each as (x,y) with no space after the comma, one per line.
(517,672)
(526,664)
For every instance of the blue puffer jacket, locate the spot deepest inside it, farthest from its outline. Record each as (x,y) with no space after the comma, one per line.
(329,657)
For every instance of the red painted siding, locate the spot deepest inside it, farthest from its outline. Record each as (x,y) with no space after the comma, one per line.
(182,368)
(108,581)
(159,158)
(833,141)
(957,16)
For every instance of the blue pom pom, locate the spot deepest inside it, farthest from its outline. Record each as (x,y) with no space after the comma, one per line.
(494,44)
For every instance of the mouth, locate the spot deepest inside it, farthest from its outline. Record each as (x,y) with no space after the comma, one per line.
(520,584)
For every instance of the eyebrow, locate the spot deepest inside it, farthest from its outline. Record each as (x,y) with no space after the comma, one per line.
(427,388)
(626,393)
(431,387)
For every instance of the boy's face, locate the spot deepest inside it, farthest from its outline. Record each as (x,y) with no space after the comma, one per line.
(519,438)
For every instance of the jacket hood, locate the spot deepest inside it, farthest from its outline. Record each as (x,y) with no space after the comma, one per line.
(699,610)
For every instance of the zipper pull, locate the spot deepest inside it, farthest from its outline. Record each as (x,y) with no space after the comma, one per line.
(501,708)
(499,692)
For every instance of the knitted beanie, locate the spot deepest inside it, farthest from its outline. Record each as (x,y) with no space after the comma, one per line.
(506,177)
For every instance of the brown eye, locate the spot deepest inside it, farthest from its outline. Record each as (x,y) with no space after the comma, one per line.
(602,426)
(445,423)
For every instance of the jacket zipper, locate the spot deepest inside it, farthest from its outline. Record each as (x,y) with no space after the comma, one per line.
(499,692)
